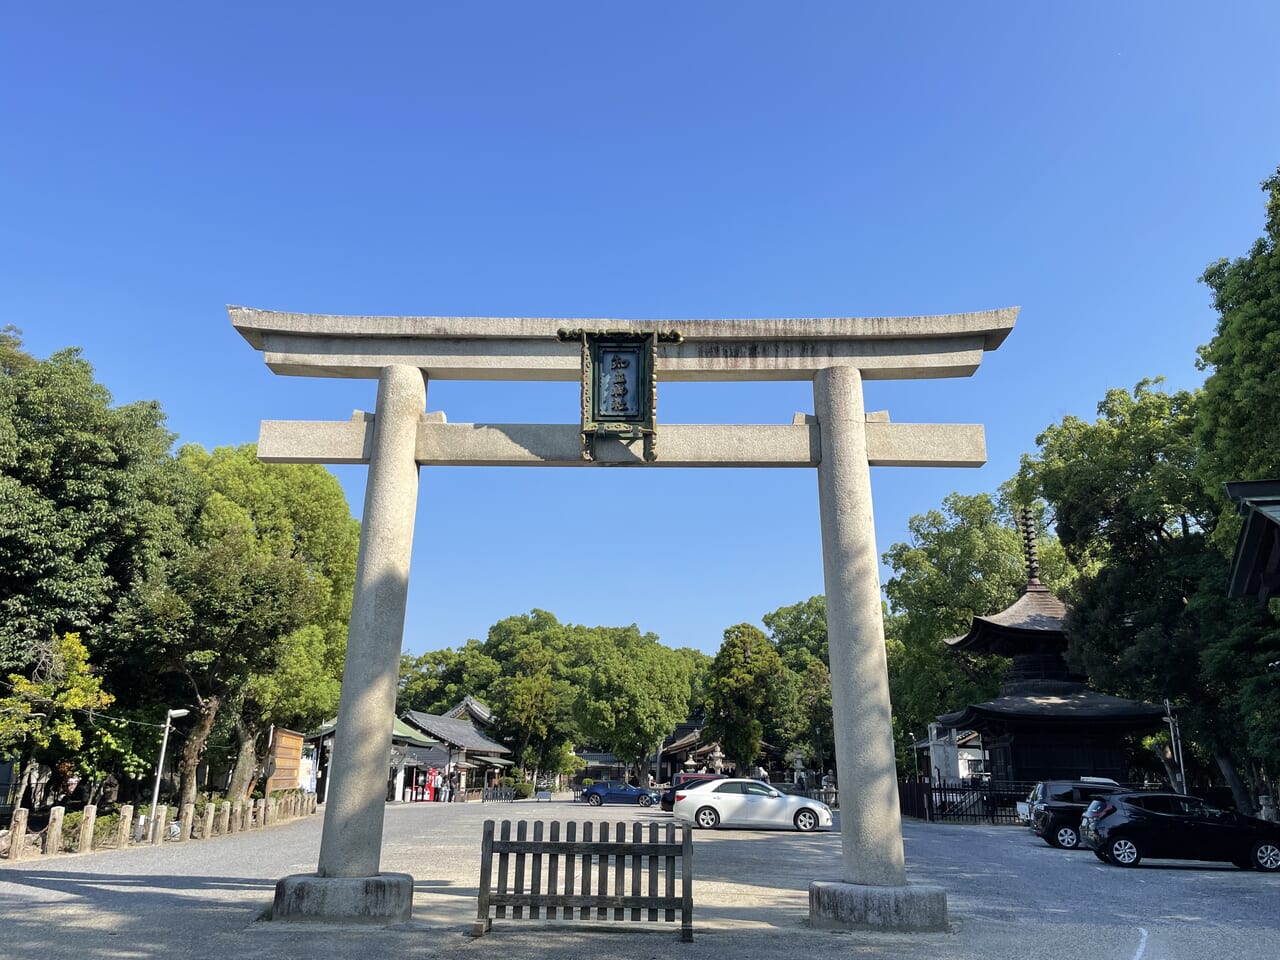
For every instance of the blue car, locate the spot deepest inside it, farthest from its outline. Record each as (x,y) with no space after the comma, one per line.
(615,791)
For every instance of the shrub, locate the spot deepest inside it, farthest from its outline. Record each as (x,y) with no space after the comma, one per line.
(104,830)
(587,781)
(524,791)
(71,829)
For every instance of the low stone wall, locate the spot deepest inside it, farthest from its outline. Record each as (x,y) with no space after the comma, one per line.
(133,829)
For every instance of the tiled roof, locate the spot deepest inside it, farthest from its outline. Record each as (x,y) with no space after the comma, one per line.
(455,732)
(469,705)
(1071,704)
(400,731)
(1035,618)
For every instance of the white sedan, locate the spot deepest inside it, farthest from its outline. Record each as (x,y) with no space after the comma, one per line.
(747,803)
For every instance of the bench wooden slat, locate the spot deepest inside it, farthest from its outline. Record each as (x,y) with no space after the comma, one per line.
(503,863)
(522,833)
(653,872)
(535,881)
(587,832)
(570,866)
(486,873)
(686,908)
(636,835)
(602,877)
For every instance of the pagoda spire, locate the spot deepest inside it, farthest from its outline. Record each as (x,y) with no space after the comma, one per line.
(1029,546)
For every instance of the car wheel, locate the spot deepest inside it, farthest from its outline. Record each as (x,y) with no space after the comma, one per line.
(594,800)
(646,800)
(806,820)
(1266,856)
(706,818)
(1066,837)
(1124,852)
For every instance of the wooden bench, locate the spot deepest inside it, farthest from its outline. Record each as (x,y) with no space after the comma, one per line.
(552,875)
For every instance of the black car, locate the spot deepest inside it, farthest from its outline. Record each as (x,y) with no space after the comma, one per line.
(668,798)
(1057,805)
(1127,827)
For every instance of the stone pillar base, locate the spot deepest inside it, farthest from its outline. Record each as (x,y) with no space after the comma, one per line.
(834,905)
(386,898)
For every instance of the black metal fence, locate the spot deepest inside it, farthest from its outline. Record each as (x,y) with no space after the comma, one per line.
(962,801)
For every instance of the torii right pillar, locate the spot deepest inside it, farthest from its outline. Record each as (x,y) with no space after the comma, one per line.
(873,891)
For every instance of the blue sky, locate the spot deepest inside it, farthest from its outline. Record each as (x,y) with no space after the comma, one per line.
(1083,161)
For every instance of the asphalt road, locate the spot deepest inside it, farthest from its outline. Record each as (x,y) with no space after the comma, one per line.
(1010,896)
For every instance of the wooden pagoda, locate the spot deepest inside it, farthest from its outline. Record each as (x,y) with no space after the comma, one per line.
(1046,723)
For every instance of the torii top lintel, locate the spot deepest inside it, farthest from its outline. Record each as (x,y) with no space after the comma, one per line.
(515,348)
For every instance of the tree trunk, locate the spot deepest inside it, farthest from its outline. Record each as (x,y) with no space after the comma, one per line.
(193,749)
(1164,752)
(245,771)
(1238,790)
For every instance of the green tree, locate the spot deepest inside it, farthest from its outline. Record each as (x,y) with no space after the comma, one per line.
(47,718)
(635,693)
(438,680)
(799,632)
(1238,431)
(533,693)
(87,499)
(13,359)
(215,616)
(1238,423)
(297,511)
(744,689)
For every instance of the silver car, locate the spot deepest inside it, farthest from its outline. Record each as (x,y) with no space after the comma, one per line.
(747,803)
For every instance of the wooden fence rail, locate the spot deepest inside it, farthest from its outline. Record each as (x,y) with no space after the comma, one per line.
(552,878)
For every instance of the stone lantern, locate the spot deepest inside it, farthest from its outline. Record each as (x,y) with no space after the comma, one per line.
(717,759)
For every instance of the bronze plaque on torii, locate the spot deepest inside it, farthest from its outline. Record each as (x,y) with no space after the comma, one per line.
(619,386)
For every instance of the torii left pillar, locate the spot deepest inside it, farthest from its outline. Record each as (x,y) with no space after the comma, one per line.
(347,884)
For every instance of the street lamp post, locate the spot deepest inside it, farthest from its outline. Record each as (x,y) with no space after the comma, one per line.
(164,742)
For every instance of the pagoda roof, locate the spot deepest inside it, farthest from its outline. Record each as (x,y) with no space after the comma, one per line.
(1034,621)
(1057,704)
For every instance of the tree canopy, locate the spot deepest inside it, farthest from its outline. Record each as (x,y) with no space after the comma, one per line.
(1238,427)
(86,499)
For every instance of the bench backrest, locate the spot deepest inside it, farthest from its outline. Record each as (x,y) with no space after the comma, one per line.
(558,871)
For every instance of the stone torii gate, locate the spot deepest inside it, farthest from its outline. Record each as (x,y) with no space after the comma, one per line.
(404,354)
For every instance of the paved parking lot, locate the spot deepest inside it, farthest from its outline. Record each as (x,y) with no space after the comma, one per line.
(1010,896)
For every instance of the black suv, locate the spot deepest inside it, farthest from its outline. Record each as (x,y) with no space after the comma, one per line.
(1058,805)
(668,799)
